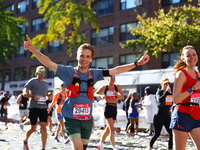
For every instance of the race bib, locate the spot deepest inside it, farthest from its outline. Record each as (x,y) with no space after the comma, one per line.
(81,111)
(42,100)
(5,106)
(110,94)
(195,98)
(168,100)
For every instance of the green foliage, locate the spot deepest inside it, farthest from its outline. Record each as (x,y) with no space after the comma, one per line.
(64,19)
(11,36)
(167,31)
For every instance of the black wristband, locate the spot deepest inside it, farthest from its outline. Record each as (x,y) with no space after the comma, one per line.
(135,63)
(106,72)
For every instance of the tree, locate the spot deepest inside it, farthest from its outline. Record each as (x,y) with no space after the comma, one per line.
(64,18)
(11,38)
(170,31)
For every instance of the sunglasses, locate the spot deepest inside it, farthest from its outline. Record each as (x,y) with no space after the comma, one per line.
(166,83)
(41,72)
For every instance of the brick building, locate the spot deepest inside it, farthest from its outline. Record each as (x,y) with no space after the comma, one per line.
(115,16)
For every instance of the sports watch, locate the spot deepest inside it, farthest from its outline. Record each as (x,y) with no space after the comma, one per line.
(191,90)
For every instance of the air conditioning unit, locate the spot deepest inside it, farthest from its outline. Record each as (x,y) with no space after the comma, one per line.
(138,2)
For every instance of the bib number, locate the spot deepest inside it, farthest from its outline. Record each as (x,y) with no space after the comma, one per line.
(195,98)
(168,100)
(81,111)
(5,106)
(42,100)
(110,94)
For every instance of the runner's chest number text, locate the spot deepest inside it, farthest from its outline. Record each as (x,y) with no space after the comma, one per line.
(81,109)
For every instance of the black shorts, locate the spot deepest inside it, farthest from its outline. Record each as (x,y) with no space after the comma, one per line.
(35,113)
(50,114)
(4,112)
(110,112)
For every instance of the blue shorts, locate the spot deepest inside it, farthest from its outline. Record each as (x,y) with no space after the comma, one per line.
(134,114)
(59,116)
(183,121)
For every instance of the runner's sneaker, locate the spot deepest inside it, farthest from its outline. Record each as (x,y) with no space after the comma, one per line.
(52,133)
(56,138)
(131,133)
(99,146)
(66,141)
(25,146)
(115,148)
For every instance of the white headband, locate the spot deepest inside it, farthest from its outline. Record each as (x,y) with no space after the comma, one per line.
(40,70)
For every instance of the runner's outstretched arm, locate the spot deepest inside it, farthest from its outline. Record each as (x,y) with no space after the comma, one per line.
(41,57)
(124,68)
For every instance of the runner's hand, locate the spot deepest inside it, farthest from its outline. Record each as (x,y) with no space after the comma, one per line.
(144,59)
(27,44)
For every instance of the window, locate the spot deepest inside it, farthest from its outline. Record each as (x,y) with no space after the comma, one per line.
(22,6)
(35,4)
(102,63)
(125,31)
(32,71)
(38,24)
(103,7)
(73,63)
(55,47)
(21,52)
(10,8)
(104,36)
(168,59)
(170,2)
(50,73)
(24,28)
(20,74)
(126,59)
(7,76)
(127,4)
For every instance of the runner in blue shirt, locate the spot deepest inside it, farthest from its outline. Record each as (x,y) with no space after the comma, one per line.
(77,108)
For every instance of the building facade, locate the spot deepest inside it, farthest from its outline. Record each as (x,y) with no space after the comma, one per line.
(115,17)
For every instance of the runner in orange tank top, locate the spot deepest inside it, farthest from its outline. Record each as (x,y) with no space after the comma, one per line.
(59,99)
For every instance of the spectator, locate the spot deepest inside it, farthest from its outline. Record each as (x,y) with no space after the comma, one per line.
(23,109)
(112,94)
(150,108)
(163,117)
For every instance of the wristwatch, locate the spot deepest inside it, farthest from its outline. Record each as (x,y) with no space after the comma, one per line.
(191,90)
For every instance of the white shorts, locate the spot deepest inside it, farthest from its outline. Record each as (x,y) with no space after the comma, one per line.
(23,112)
